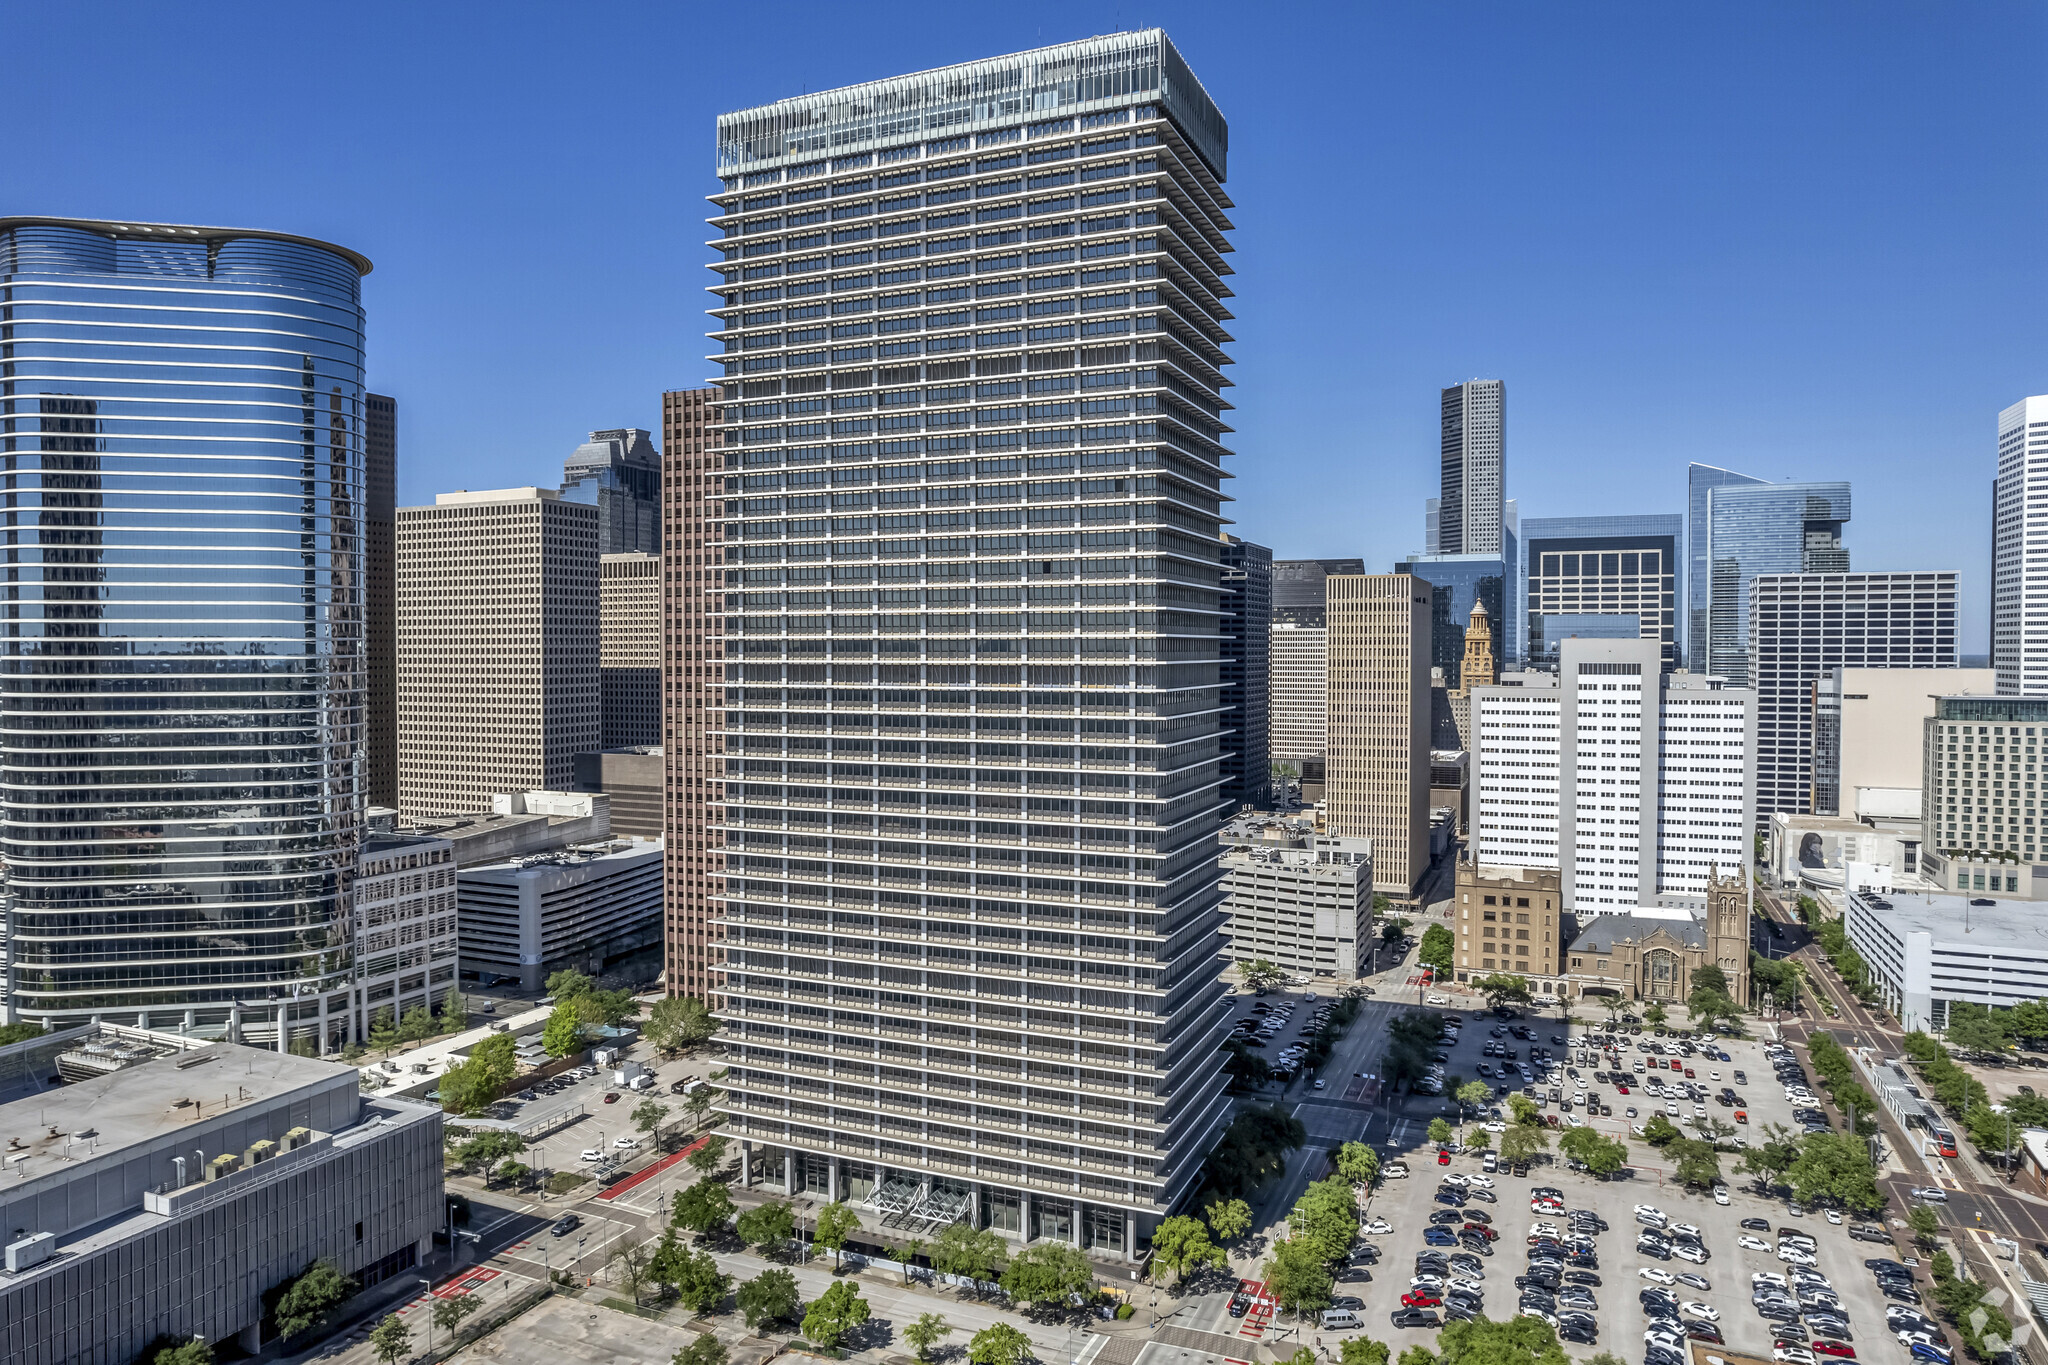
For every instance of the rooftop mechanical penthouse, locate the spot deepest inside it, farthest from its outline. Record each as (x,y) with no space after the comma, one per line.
(972,326)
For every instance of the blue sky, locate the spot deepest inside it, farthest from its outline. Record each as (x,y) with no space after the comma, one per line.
(1799,240)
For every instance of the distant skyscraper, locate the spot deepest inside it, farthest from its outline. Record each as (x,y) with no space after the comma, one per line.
(2019,549)
(1738,527)
(1460,581)
(619,473)
(1432,526)
(1298,655)
(1803,625)
(380,576)
(629,630)
(1471,511)
(497,647)
(184,702)
(970,324)
(693,686)
(1601,577)
(1247,680)
(1377,767)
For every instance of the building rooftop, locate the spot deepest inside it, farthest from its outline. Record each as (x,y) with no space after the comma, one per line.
(1600,933)
(1955,919)
(576,855)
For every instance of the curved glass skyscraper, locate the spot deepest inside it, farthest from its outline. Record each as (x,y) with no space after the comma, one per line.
(182,680)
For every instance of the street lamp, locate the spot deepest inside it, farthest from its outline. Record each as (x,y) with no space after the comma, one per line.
(430,1314)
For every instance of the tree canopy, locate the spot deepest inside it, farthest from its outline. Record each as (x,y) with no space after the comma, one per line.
(1502,988)
(960,1250)
(677,1022)
(1601,1155)
(1836,1166)
(1358,1163)
(307,1299)
(834,1314)
(1514,1341)
(702,1205)
(1253,1149)
(766,1225)
(1325,1218)
(770,1296)
(1230,1219)
(1181,1244)
(999,1344)
(1048,1272)
(1438,947)
(1297,1276)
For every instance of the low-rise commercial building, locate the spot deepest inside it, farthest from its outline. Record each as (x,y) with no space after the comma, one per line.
(1925,952)
(166,1198)
(585,908)
(404,925)
(632,778)
(1509,921)
(1306,909)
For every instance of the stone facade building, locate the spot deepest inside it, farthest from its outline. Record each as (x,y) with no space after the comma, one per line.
(1645,959)
(1510,920)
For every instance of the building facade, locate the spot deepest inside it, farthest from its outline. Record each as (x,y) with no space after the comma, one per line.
(1654,958)
(1802,625)
(1633,783)
(498,647)
(1927,952)
(1739,530)
(180,1214)
(2019,551)
(1377,761)
(972,357)
(1307,910)
(618,472)
(629,648)
(404,924)
(1463,581)
(1471,511)
(1298,690)
(1869,737)
(584,908)
(185,657)
(1300,590)
(1509,921)
(1601,577)
(1247,673)
(632,778)
(1981,800)
(692,680)
(380,580)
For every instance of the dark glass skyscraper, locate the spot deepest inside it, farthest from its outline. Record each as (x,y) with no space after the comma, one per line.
(619,473)
(182,692)
(1247,679)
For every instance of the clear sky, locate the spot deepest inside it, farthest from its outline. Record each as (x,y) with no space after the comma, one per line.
(1799,240)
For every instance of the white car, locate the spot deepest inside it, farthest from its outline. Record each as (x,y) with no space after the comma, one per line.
(1686,1228)
(1768,1277)
(1426,1282)
(1468,1284)
(1686,1251)
(1574,1121)
(1650,1272)
(1754,1244)
(1792,1355)
(1791,1255)
(1832,1216)
(1394,1170)
(1701,1310)
(1652,1210)
(1378,1227)
(1496,1126)
(1484,1182)
(626,1144)
(1542,1229)
(1537,1313)
(591,1154)
(1721,1195)
(1458,1178)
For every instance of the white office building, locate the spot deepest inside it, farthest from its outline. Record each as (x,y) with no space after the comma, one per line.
(2019,551)
(971,338)
(1632,782)
(1299,694)
(1928,951)
(405,925)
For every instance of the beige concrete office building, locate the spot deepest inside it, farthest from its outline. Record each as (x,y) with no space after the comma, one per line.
(1377,784)
(497,647)
(1867,729)
(629,648)
(1300,699)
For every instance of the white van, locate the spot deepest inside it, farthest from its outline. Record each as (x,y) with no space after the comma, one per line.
(1439,1000)
(1340,1319)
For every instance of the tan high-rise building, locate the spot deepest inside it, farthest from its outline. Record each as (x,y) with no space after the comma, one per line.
(629,649)
(497,604)
(380,638)
(1378,722)
(692,679)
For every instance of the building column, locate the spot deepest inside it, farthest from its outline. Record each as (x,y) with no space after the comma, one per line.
(284,1026)
(974,1205)
(789,1160)
(1074,1223)
(1130,1235)
(746,1164)
(831,1179)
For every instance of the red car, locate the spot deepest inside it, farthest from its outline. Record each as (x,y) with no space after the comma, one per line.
(1420,1298)
(1484,1231)
(1822,1346)
(1688,1073)
(1621,1090)
(1443,1158)
(611,1097)
(1742,1116)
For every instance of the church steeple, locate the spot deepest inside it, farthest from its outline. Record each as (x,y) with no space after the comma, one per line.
(1477,669)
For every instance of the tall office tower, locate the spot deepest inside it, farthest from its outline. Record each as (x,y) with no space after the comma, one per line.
(629,648)
(1298,653)
(1736,528)
(1462,582)
(1632,781)
(1471,511)
(2019,594)
(497,647)
(1610,578)
(1803,625)
(693,689)
(619,473)
(183,444)
(1377,766)
(1247,680)
(973,330)
(380,623)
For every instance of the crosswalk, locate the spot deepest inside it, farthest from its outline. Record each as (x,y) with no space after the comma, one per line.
(1259,1316)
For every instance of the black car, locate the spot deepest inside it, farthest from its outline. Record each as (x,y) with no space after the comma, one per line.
(1457,1310)
(1478,1216)
(1882,1263)
(1367,1255)
(1705,1331)
(1354,1277)
(1415,1317)
(1898,1293)
(1777,1313)
(1449,1197)
(1536,1281)
(1756,1224)
(1577,1333)
(1829,1330)
(1584,1277)
(1445,1216)
(567,1224)
(1240,1304)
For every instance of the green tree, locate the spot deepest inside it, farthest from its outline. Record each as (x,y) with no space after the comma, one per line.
(710,1154)
(1660,1131)
(1514,1341)
(1706,1006)
(834,1314)
(454,1012)
(677,1022)
(307,1299)
(511,1172)
(450,1312)
(1523,1110)
(1837,1166)
(769,1297)
(927,1331)
(1695,1163)
(1774,975)
(1356,1162)
(1261,974)
(766,1225)
(1047,1272)
(1521,1142)
(1502,988)
(1439,1130)
(647,1116)
(607,1008)
(835,1224)
(568,984)
(1253,1149)
(1181,1244)
(1977,1033)
(1297,1276)
(1438,947)
(701,1206)
(383,1031)
(698,1281)
(1655,1016)
(1769,1159)
(705,1350)
(634,1261)
(1600,1155)
(1391,933)
(2029,1020)
(194,1351)
(1925,1225)
(1230,1219)
(488,1148)
(1325,1218)
(1710,977)
(470,1087)
(999,1344)
(564,1032)
(1473,1095)
(1361,1351)
(417,1026)
(960,1250)
(391,1339)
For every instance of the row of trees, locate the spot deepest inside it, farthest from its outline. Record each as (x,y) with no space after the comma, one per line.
(1994,1131)
(1985,1330)
(1252,1150)
(1820,1167)
(416,1026)
(1833,939)
(1831,1063)
(1779,977)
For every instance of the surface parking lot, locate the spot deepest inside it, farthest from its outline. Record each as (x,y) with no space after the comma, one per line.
(1406,1205)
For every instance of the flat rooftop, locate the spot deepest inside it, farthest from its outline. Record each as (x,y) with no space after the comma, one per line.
(2015,922)
(141,1102)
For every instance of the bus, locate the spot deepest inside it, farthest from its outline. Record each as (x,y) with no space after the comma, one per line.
(1944,1139)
